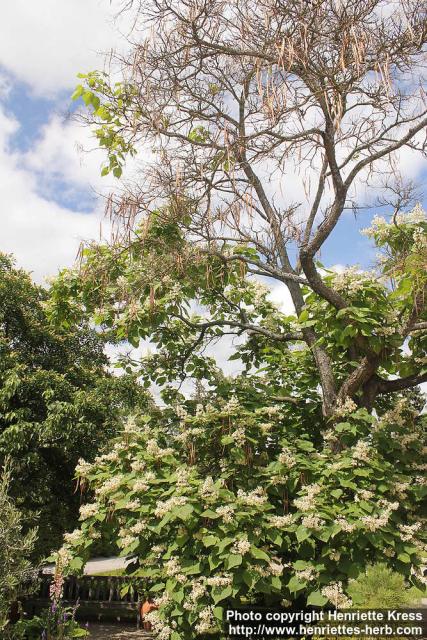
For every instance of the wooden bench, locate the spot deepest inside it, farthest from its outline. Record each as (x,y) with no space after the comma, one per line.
(98,597)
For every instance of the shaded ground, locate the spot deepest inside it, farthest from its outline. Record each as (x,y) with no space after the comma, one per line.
(117,632)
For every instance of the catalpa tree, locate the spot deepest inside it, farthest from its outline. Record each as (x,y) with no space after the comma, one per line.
(282,482)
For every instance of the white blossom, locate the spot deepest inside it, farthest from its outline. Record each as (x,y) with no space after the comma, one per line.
(287,458)
(280,521)
(162,508)
(336,596)
(241,546)
(226,512)
(88,510)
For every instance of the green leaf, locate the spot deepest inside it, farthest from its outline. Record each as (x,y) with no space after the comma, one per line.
(259,554)
(302,533)
(77,92)
(210,514)
(404,557)
(316,599)
(222,594)
(79,633)
(233,560)
(184,512)
(218,613)
(295,585)
(209,541)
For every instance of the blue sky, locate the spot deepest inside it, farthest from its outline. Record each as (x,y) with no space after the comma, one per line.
(49,186)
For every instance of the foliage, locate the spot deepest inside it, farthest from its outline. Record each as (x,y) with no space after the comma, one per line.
(57,622)
(380,588)
(151,289)
(16,573)
(57,403)
(287,480)
(235,106)
(230,504)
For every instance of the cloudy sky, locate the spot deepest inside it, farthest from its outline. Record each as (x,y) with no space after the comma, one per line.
(48,186)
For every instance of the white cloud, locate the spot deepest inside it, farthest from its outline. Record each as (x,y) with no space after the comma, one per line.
(43,235)
(46,43)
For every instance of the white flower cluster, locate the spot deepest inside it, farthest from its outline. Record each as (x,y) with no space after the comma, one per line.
(254,498)
(158,549)
(232,406)
(161,630)
(208,490)
(409,531)
(259,290)
(241,546)
(153,449)
(221,580)
(419,575)
(280,521)
(181,412)
(63,557)
(401,488)
(275,567)
(308,574)
(109,486)
(132,505)
(162,600)
(335,556)
(131,426)
(345,525)
(83,468)
(307,502)
(239,436)
(336,596)
(352,280)
(396,415)
(140,485)
(345,408)
(287,458)
(137,466)
(206,620)
(226,512)
(139,527)
(74,537)
(173,570)
(361,452)
(363,494)
(111,456)
(88,510)
(198,590)
(162,508)
(312,522)
(125,541)
(373,523)
(379,226)
(182,476)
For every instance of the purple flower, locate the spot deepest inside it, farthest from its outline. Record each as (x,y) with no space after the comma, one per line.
(65,616)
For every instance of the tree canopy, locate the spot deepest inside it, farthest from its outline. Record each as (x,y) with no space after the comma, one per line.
(281,483)
(231,107)
(57,401)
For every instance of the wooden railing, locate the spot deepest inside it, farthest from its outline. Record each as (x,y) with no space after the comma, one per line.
(91,589)
(98,597)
